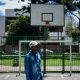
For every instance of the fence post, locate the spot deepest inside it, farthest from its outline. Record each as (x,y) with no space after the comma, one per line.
(63,59)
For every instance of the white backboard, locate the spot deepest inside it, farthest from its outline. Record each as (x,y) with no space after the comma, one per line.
(47,12)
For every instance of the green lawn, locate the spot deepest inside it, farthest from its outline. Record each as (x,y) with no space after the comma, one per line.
(50,61)
(58,62)
(6,62)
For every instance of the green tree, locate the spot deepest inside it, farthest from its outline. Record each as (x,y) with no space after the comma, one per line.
(73,32)
(20,29)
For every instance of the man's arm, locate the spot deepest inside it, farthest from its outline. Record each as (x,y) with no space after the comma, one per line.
(27,66)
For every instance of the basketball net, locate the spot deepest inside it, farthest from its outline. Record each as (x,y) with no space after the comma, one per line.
(47,23)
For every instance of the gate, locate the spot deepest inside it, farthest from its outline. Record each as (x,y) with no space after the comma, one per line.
(53,55)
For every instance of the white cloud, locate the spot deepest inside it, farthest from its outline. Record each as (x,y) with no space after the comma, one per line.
(72,19)
(11,4)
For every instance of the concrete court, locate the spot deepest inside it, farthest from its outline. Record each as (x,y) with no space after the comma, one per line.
(48,76)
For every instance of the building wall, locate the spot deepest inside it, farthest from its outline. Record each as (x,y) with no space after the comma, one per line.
(2,25)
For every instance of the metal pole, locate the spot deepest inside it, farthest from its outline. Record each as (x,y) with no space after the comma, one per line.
(63,59)
(45,38)
(70,58)
(79,35)
(19,57)
(44,56)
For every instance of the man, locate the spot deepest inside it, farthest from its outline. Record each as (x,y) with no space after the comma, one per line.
(32,63)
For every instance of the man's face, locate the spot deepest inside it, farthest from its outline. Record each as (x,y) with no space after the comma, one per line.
(35,48)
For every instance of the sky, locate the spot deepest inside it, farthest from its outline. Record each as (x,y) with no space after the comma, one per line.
(10,4)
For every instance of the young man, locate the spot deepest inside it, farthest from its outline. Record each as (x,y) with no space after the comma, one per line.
(32,63)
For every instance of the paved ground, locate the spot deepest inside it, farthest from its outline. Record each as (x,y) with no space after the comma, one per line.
(48,76)
(48,68)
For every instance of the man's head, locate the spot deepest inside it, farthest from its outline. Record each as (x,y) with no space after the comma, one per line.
(34,46)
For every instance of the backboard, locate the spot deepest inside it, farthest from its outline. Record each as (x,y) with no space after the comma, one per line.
(40,13)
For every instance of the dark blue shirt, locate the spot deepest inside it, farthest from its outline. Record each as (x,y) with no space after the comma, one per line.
(32,66)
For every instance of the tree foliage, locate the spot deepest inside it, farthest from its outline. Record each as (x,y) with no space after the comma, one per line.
(74,33)
(20,29)
(70,31)
(17,27)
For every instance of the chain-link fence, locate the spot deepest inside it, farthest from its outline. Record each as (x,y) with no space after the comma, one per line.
(57,56)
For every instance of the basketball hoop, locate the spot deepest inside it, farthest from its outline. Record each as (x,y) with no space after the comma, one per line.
(47,23)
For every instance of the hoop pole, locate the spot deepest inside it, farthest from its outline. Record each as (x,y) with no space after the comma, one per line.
(44,59)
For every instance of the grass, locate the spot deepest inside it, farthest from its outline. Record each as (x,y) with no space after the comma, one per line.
(58,62)
(6,62)
(51,60)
